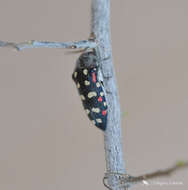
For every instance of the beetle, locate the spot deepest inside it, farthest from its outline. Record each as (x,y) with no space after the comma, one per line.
(87,77)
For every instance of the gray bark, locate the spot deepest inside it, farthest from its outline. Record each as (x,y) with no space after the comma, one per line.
(100,26)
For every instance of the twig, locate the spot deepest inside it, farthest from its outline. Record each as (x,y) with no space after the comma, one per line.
(126,180)
(100,26)
(84,44)
(160,173)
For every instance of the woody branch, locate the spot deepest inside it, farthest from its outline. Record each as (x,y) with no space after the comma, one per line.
(84,44)
(100,26)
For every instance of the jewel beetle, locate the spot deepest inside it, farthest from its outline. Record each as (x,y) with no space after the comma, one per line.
(87,77)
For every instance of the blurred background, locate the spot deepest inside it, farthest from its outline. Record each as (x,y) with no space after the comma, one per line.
(46,140)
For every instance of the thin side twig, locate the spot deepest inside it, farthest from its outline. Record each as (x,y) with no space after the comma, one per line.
(161,173)
(84,44)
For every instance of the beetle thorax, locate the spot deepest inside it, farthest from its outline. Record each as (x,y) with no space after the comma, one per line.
(87,60)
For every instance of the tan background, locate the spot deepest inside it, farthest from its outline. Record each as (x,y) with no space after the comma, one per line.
(46,141)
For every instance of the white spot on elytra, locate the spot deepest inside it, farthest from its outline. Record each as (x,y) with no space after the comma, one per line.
(98,84)
(96,110)
(85,71)
(99,120)
(104,103)
(102,93)
(87,111)
(78,85)
(75,74)
(87,83)
(82,97)
(91,94)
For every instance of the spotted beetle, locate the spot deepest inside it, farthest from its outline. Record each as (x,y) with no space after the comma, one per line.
(87,76)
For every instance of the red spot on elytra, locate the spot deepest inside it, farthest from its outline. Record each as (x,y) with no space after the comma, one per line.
(104,112)
(94,77)
(100,99)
